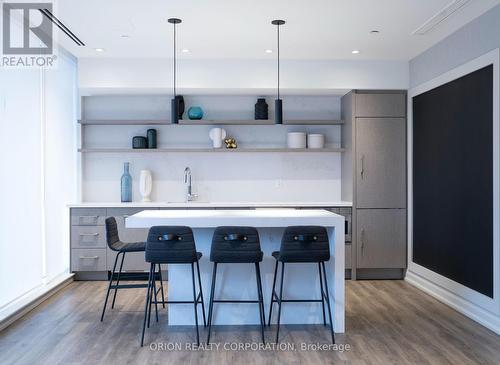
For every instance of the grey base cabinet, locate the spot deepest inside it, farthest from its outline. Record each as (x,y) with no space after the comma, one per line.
(90,253)
(381,238)
(91,258)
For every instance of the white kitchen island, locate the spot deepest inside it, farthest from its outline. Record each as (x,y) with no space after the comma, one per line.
(237,281)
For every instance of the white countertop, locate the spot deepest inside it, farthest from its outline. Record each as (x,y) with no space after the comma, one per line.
(197,218)
(202,204)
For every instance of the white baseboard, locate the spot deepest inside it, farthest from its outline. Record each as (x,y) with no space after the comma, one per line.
(21,307)
(471,310)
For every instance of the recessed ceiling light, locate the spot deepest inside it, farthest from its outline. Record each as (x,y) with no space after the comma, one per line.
(375,32)
(125,36)
(355,51)
(99,49)
(268,51)
(185,50)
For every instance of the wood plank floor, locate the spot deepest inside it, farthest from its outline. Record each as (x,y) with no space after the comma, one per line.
(387,322)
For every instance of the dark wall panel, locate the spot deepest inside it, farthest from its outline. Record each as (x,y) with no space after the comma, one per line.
(453,180)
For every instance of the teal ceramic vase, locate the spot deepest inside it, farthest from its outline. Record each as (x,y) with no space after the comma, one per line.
(195,112)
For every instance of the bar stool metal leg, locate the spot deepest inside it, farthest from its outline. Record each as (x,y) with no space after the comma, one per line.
(109,287)
(155,292)
(146,305)
(195,304)
(118,281)
(201,294)
(211,304)
(161,286)
(261,296)
(322,297)
(272,294)
(151,293)
(327,298)
(280,300)
(259,293)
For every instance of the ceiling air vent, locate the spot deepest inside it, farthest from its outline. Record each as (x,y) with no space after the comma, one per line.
(441,16)
(61,26)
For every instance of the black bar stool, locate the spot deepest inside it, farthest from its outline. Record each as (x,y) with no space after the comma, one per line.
(172,245)
(303,244)
(236,245)
(122,248)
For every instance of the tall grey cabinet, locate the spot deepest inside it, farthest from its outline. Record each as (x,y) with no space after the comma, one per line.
(374,178)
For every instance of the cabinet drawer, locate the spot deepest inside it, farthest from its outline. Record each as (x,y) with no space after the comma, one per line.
(88,237)
(381,105)
(88,259)
(88,216)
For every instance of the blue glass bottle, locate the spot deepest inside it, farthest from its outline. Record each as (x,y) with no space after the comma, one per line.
(126,184)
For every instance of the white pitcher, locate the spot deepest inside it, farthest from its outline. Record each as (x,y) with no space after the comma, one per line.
(217,135)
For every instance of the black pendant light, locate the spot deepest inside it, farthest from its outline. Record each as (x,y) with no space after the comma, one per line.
(278,103)
(174,104)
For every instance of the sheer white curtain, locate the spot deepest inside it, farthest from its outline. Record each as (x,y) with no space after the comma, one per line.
(21,244)
(37,178)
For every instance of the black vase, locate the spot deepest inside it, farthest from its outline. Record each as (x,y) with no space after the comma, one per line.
(181,105)
(139,142)
(151,138)
(261,109)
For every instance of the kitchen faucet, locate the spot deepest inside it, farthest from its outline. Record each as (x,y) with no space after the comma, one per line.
(189,188)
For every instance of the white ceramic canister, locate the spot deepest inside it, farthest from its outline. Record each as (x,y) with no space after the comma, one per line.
(296,140)
(315,141)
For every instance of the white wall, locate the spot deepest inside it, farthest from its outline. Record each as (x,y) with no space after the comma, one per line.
(472,40)
(37,174)
(122,75)
(473,46)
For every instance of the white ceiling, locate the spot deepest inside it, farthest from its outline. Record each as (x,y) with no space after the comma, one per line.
(315,29)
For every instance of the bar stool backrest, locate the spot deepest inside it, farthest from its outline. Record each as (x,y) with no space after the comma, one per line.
(235,244)
(170,245)
(305,244)
(111,231)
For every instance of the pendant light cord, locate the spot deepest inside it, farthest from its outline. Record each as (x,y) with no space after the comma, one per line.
(174,62)
(278,61)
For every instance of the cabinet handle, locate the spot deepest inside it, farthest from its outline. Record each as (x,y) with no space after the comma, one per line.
(362,240)
(89,257)
(362,172)
(89,234)
(83,218)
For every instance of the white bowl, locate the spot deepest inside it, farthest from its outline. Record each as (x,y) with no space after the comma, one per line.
(315,141)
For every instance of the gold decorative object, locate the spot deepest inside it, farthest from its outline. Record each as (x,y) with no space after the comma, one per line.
(230,142)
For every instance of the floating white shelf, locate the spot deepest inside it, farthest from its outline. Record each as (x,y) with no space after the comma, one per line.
(225,122)
(211,150)
(205,122)
(122,122)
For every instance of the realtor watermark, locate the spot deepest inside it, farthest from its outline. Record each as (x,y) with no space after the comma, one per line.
(27,35)
(248,346)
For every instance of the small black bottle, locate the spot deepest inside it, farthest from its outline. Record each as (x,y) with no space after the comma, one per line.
(151,138)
